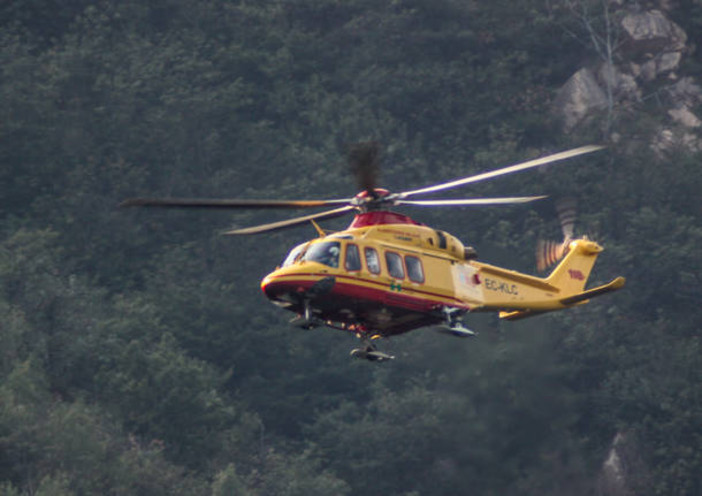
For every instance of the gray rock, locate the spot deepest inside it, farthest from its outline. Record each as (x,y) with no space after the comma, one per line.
(613,482)
(652,33)
(578,96)
(685,117)
(669,139)
(685,92)
(660,64)
(623,86)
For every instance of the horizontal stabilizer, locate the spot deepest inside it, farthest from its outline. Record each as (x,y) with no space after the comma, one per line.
(616,284)
(521,314)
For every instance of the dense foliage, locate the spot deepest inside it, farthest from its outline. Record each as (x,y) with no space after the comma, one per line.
(137,355)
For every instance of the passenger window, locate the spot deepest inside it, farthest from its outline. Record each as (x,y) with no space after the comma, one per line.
(395,267)
(415,272)
(372,261)
(353,258)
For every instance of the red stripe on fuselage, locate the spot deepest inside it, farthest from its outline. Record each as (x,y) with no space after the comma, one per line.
(383,293)
(373,304)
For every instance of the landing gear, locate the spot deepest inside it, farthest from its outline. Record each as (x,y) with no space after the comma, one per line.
(307,319)
(368,350)
(453,324)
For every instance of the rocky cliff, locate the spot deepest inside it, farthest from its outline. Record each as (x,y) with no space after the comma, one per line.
(639,58)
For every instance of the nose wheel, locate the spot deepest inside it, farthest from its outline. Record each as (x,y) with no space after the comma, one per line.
(307,318)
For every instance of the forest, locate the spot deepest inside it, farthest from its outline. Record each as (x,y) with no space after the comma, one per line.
(138,355)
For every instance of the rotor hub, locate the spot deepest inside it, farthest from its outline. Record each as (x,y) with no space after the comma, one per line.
(376,218)
(375,194)
(372,200)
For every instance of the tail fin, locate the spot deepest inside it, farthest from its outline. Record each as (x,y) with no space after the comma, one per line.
(572,273)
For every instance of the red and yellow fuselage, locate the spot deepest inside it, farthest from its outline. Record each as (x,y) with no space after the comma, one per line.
(387,274)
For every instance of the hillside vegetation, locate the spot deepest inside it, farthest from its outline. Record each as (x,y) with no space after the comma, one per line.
(137,353)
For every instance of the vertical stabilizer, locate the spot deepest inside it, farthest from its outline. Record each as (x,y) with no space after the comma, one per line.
(572,273)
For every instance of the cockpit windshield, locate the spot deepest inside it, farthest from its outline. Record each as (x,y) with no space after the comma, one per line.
(326,253)
(294,255)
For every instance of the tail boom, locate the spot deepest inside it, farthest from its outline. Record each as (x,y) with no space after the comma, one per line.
(518,295)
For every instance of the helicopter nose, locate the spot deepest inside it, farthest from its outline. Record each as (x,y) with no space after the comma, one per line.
(274,286)
(291,283)
(265,282)
(270,286)
(276,291)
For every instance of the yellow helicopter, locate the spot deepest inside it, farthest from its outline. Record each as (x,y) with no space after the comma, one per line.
(387,274)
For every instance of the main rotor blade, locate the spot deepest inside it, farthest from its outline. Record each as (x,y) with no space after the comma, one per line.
(549,159)
(471,201)
(274,226)
(227,203)
(364,163)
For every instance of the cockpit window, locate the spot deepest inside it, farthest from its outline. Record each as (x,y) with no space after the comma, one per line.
(326,253)
(294,255)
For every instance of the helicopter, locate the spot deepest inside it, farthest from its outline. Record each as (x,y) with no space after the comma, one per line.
(387,274)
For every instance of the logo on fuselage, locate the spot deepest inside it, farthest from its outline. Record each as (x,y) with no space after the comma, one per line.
(395,286)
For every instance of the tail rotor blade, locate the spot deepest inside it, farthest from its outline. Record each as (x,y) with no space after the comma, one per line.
(548,253)
(566,209)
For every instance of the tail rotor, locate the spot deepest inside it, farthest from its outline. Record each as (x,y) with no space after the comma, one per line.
(550,252)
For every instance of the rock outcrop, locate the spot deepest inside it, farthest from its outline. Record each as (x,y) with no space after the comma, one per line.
(623,472)
(652,33)
(613,478)
(644,65)
(579,97)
